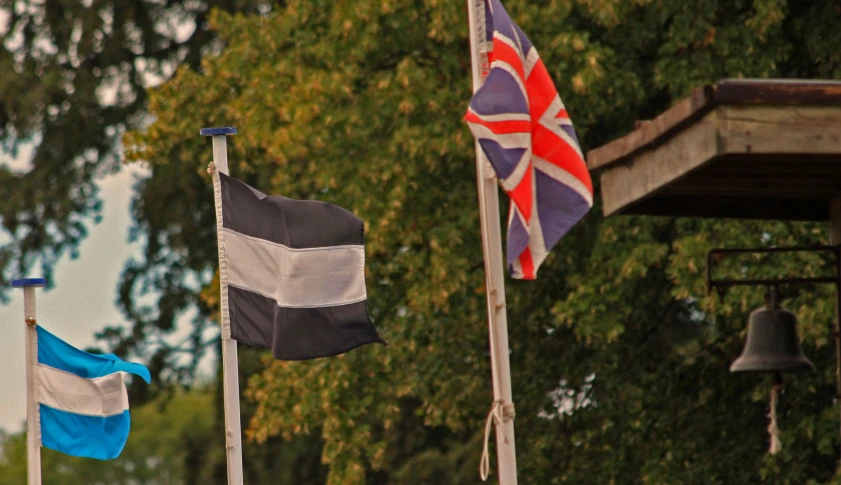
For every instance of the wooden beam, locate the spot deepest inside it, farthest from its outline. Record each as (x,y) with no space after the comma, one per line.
(741,148)
(780,129)
(649,131)
(751,192)
(731,168)
(797,92)
(738,92)
(726,207)
(794,185)
(655,168)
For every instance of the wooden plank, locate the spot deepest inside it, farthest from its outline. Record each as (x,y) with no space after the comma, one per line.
(780,129)
(799,92)
(822,191)
(770,170)
(653,169)
(831,183)
(723,207)
(650,131)
(757,163)
(792,180)
(757,192)
(778,92)
(727,152)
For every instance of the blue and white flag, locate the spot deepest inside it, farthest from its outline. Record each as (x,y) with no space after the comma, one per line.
(82,399)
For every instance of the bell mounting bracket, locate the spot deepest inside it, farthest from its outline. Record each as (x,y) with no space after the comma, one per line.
(722,285)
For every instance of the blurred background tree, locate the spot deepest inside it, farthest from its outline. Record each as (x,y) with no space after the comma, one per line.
(171,443)
(74,79)
(619,360)
(167,446)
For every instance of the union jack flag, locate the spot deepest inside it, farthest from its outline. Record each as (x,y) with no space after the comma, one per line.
(527,135)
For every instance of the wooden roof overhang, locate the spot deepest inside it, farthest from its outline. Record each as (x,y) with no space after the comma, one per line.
(763,149)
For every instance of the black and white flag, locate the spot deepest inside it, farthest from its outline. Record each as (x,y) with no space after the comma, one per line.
(292,273)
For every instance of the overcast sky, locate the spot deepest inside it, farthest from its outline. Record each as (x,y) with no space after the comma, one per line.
(83,299)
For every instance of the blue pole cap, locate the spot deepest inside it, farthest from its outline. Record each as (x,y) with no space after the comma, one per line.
(29,282)
(223,130)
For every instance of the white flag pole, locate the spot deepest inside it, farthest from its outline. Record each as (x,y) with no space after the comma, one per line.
(502,411)
(33,432)
(230,368)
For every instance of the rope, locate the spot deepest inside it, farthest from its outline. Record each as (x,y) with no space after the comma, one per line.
(773,430)
(495,415)
(499,413)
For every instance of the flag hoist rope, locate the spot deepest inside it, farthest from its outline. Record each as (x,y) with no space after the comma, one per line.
(502,410)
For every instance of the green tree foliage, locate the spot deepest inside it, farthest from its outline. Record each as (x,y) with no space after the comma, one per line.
(176,439)
(167,444)
(73,78)
(619,359)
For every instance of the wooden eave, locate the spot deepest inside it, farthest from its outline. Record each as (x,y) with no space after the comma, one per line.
(767,149)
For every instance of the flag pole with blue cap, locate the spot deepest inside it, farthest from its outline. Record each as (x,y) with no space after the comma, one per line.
(77,402)
(33,445)
(230,373)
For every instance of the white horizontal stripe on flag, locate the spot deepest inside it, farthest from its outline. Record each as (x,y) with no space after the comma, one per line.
(102,396)
(505,140)
(295,278)
(490,118)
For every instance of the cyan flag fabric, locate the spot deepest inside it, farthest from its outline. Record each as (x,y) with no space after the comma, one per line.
(82,399)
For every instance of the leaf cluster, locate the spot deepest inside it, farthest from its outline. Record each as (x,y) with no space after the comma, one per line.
(74,79)
(619,359)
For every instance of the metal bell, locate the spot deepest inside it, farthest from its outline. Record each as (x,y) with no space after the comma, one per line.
(772,344)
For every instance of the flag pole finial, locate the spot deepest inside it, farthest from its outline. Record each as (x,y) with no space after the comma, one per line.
(221,130)
(29,282)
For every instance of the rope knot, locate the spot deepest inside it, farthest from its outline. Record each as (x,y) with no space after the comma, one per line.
(501,412)
(211,168)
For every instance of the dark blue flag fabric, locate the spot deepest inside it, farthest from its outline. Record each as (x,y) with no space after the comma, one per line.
(292,273)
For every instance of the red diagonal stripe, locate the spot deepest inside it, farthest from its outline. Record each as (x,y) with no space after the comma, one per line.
(522,195)
(541,90)
(527,264)
(557,151)
(505,53)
